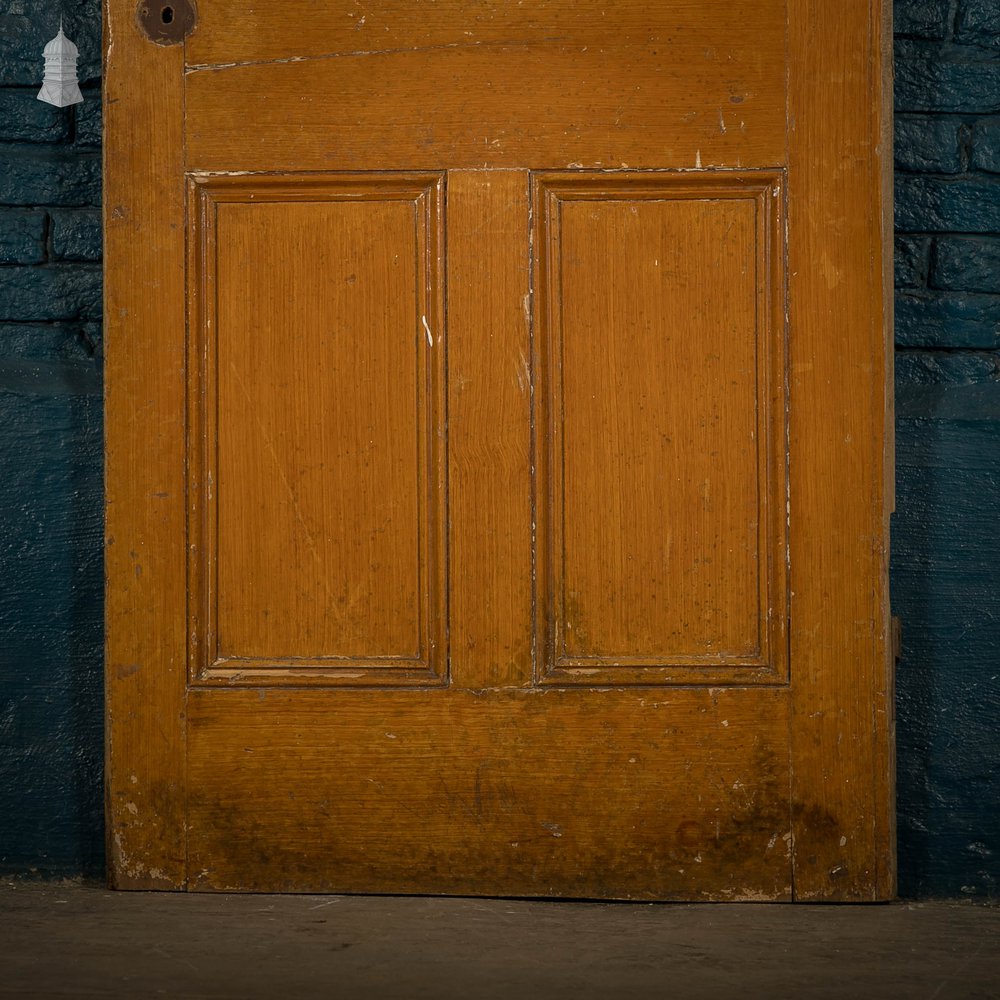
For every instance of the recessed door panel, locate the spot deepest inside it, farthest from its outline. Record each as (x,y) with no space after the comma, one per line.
(661,440)
(316,442)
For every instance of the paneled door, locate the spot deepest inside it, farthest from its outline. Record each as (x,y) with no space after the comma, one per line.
(497,462)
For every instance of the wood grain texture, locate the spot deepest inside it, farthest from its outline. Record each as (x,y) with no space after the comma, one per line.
(660,442)
(144,469)
(317,437)
(777,785)
(683,795)
(489,420)
(842,777)
(242,31)
(502,84)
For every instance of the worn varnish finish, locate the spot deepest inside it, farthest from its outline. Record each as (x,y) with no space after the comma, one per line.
(498,84)
(316,446)
(482,519)
(525,792)
(840,738)
(662,538)
(489,421)
(145,477)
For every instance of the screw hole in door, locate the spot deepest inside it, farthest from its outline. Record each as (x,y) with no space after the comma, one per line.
(167,15)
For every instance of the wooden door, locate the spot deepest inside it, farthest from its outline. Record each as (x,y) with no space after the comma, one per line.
(497,448)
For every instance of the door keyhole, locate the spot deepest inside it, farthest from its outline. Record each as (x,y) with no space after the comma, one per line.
(167,22)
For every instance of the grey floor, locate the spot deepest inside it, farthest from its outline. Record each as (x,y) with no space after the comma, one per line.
(70,940)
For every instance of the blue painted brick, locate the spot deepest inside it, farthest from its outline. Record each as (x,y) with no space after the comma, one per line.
(986,145)
(50,293)
(72,341)
(945,553)
(923,144)
(963,263)
(22,237)
(911,260)
(88,128)
(946,367)
(978,23)
(920,18)
(947,320)
(51,604)
(36,176)
(23,116)
(967,204)
(929,80)
(76,233)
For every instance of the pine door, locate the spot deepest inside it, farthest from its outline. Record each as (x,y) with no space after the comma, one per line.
(497,432)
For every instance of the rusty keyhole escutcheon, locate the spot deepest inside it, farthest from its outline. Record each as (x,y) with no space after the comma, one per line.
(167,22)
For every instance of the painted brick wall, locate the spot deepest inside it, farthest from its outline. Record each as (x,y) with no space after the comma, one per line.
(946,546)
(946,542)
(50,450)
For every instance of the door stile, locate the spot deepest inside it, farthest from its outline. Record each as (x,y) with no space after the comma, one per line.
(840,736)
(145,560)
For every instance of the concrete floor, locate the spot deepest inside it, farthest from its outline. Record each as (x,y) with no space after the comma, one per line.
(68,940)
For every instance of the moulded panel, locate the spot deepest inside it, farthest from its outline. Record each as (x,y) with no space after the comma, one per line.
(315,447)
(661,492)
